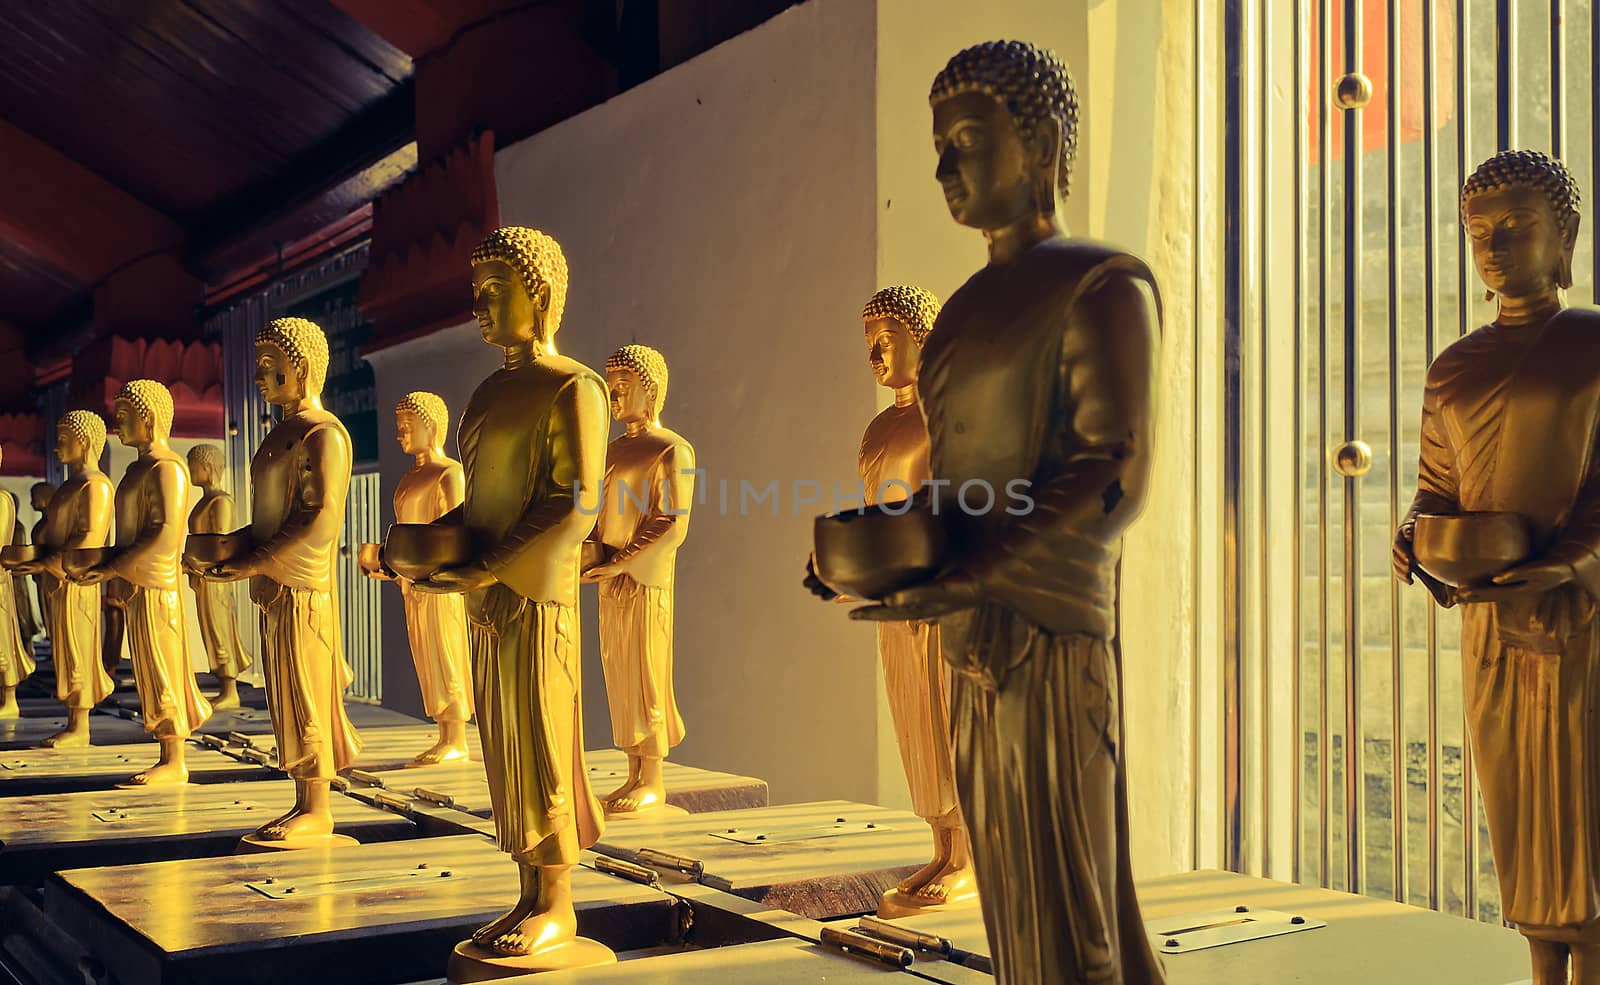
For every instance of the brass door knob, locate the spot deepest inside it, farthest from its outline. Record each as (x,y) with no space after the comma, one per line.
(1352,91)
(1353,459)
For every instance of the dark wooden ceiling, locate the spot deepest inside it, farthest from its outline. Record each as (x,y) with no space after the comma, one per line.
(224,132)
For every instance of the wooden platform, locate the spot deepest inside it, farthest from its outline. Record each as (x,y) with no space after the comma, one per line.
(377,913)
(1368,941)
(779,962)
(38,721)
(464,787)
(820,860)
(46,833)
(39,771)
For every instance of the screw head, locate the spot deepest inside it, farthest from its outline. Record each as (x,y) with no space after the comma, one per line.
(1297,921)
(422,865)
(838,820)
(445,874)
(761,837)
(871,825)
(288,890)
(1172,942)
(1241,909)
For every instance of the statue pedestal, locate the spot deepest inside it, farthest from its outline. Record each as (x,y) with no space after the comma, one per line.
(896,904)
(470,962)
(54,832)
(658,811)
(40,771)
(821,860)
(253,844)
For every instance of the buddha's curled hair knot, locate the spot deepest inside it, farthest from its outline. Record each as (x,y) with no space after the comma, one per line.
(1032,83)
(153,402)
(912,307)
(537,259)
(304,343)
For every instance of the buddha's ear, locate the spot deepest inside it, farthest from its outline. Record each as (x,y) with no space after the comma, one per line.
(1569,243)
(1044,154)
(541,297)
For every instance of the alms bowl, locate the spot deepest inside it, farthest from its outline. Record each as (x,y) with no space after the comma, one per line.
(205,550)
(872,552)
(417,550)
(1468,549)
(13,555)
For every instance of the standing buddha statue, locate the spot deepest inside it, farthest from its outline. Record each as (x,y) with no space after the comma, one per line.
(532,445)
(151,501)
(435,624)
(16,647)
(214,601)
(1511,424)
(78,516)
(299,480)
(649,487)
(1040,372)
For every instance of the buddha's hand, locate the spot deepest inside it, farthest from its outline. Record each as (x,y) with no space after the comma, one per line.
(951,593)
(600,572)
(1405,557)
(97,574)
(456,581)
(1534,578)
(814,584)
(28,568)
(237,570)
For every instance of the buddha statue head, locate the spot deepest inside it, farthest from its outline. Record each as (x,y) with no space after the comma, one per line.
(1520,209)
(80,438)
(291,361)
(519,288)
(39,495)
(637,378)
(1005,126)
(897,321)
(206,466)
(142,412)
(421,422)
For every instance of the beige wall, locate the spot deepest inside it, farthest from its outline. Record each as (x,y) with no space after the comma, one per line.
(722,213)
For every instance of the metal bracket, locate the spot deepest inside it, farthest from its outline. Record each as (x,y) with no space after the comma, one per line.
(626,870)
(254,755)
(691,867)
(370,779)
(802,832)
(272,888)
(1215,928)
(434,797)
(112,815)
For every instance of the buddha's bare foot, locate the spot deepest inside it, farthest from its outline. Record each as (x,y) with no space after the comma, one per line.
(642,797)
(10,708)
(497,927)
(161,774)
(67,738)
(950,884)
(910,884)
(441,752)
(298,823)
(538,931)
(623,791)
(229,698)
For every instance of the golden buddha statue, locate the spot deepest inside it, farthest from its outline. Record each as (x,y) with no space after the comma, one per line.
(532,445)
(894,466)
(151,501)
(1037,387)
(299,479)
(78,516)
(39,495)
(436,624)
(16,648)
(214,601)
(1510,418)
(643,520)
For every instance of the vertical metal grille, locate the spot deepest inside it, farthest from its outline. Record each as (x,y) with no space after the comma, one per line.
(1381,798)
(360,609)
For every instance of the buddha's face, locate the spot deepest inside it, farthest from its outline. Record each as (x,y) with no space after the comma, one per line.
(1517,244)
(280,381)
(413,432)
(507,315)
(893,353)
(200,472)
(70,448)
(132,428)
(40,494)
(630,397)
(984,166)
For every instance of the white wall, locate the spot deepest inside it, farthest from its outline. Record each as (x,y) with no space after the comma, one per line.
(1127,120)
(722,213)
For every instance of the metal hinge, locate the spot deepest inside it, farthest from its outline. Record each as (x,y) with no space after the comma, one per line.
(781,834)
(1215,928)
